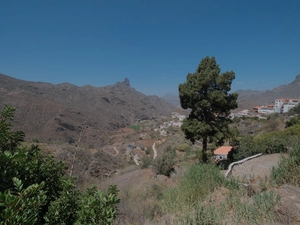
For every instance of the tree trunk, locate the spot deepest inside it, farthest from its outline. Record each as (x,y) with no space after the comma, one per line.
(204,149)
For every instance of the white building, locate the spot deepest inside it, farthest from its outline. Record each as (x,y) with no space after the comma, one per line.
(243,112)
(265,110)
(283,105)
(181,117)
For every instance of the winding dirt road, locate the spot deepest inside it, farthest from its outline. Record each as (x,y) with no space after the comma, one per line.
(117,152)
(154,150)
(259,167)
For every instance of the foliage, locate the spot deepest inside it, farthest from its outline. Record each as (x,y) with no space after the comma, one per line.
(135,127)
(288,169)
(295,110)
(273,123)
(182,147)
(9,139)
(146,161)
(293,121)
(35,190)
(164,163)
(193,200)
(267,143)
(199,181)
(233,135)
(206,93)
(21,205)
(96,207)
(148,151)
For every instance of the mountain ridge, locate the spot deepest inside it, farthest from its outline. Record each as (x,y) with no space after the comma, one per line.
(249,98)
(290,90)
(59,112)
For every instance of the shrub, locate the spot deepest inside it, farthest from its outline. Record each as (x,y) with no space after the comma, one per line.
(182,147)
(246,147)
(164,163)
(146,161)
(135,127)
(288,170)
(35,190)
(293,121)
(148,151)
(194,201)
(295,110)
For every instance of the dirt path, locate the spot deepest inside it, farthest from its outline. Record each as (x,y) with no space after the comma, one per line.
(117,152)
(259,167)
(136,159)
(154,150)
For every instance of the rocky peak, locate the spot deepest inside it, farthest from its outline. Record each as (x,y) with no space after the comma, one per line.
(297,79)
(126,81)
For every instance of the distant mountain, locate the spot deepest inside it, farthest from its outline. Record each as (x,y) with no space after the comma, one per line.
(172,99)
(245,93)
(248,98)
(58,113)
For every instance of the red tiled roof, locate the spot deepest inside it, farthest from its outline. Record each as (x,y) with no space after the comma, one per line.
(224,150)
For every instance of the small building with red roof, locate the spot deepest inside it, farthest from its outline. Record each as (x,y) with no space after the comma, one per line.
(222,152)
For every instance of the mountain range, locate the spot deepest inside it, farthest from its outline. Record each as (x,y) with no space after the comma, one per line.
(249,98)
(58,113)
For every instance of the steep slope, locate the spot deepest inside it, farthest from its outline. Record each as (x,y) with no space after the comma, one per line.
(58,113)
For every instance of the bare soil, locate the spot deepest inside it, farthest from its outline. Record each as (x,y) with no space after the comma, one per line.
(256,168)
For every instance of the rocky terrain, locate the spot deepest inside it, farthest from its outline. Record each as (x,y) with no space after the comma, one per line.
(58,113)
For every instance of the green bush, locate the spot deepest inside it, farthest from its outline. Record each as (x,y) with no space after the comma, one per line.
(146,161)
(295,110)
(194,201)
(182,147)
(293,121)
(288,170)
(148,151)
(199,181)
(135,127)
(246,147)
(35,190)
(267,143)
(164,163)
(21,205)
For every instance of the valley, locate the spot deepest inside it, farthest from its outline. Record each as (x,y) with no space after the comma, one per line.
(117,136)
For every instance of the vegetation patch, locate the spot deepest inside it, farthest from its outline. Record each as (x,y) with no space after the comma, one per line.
(135,127)
(204,196)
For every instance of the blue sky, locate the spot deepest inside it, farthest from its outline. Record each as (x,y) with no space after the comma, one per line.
(153,43)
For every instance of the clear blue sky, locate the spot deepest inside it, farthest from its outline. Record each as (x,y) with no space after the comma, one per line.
(154,43)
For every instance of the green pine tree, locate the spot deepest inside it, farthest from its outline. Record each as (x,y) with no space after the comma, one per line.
(206,94)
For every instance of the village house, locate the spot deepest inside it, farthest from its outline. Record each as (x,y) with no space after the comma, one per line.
(282,105)
(244,112)
(265,110)
(222,152)
(130,148)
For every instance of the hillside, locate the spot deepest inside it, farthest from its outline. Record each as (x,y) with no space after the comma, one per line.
(172,99)
(248,99)
(57,113)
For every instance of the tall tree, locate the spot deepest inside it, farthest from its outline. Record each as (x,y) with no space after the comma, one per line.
(206,93)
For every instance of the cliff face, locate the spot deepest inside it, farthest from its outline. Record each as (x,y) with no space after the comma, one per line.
(57,113)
